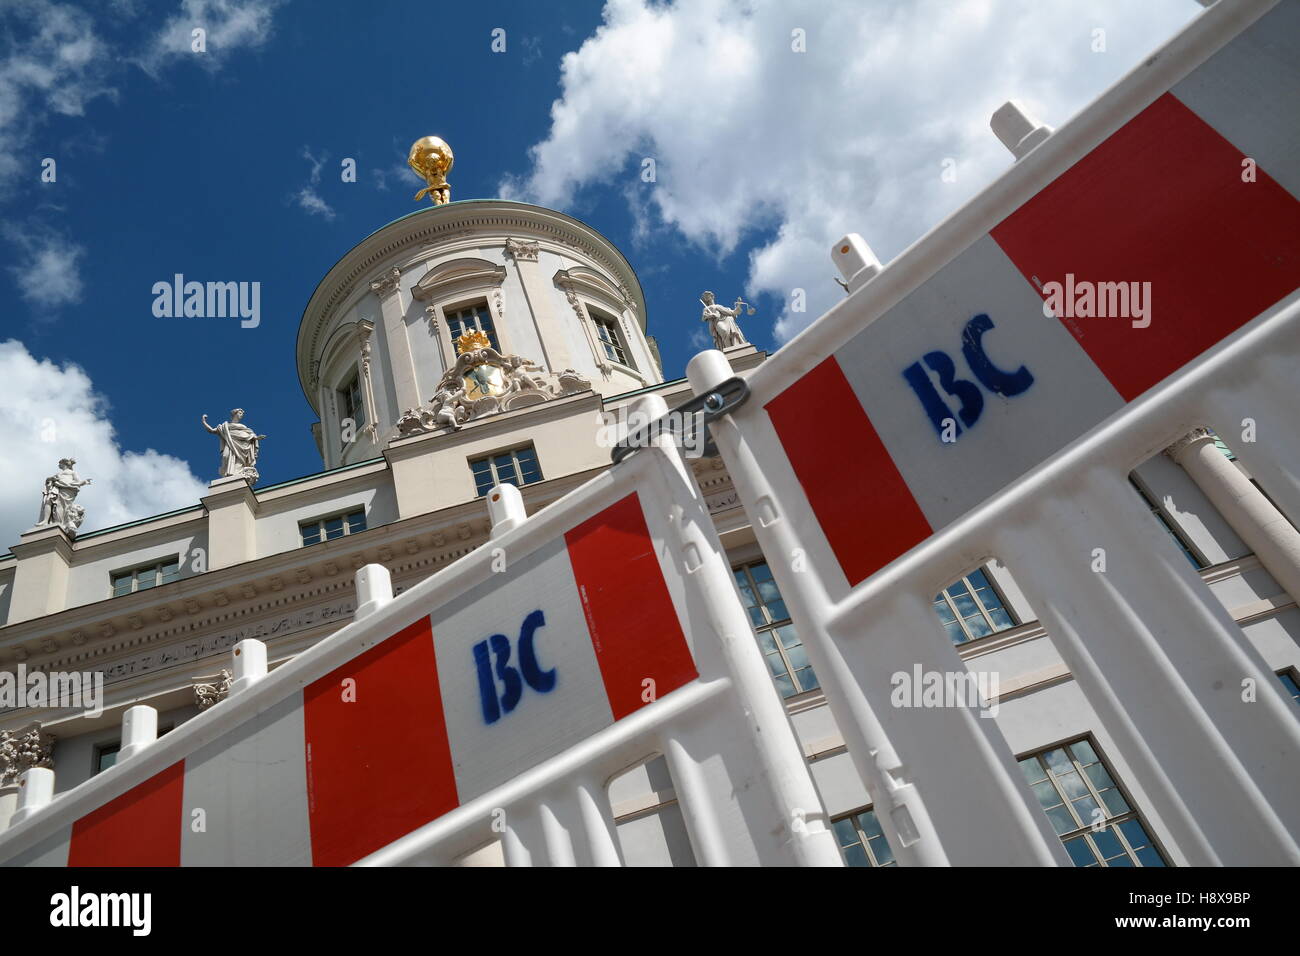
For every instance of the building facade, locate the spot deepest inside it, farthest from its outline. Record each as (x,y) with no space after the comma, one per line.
(412,434)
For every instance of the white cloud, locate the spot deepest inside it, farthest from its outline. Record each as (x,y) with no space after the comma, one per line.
(46,272)
(52,412)
(229,25)
(50,61)
(779,153)
(308,198)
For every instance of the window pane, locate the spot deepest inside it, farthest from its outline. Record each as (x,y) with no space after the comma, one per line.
(1080,852)
(356,522)
(310,533)
(844,832)
(171,570)
(333,528)
(121,584)
(785,686)
(856,856)
(146,579)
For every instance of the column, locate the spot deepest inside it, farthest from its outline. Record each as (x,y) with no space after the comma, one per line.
(388,288)
(1257,522)
(1185,696)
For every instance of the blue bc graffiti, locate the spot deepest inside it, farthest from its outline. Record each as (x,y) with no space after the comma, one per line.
(986,373)
(492,661)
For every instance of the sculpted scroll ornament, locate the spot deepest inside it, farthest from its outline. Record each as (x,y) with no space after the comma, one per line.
(211,692)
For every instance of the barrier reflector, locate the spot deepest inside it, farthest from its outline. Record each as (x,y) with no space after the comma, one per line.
(378,760)
(859,472)
(630,615)
(1162,202)
(142,827)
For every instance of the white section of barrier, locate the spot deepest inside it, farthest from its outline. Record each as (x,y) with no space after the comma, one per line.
(1016,129)
(139,730)
(35,791)
(249,661)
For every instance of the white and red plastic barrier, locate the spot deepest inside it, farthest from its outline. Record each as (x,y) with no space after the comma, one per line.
(931,397)
(504,691)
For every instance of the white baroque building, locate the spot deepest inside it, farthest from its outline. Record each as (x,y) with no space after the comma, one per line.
(157,604)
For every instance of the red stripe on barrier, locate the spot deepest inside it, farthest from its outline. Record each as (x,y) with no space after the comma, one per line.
(862,503)
(630,614)
(142,827)
(1161,201)
(378,765)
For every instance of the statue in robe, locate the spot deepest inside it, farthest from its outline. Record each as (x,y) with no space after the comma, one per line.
(722,321)
(59,499)
(239,446)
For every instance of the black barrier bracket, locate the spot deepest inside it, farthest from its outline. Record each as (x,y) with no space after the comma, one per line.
(723,400)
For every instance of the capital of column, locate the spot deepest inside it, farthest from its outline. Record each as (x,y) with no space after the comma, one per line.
(1193,437)
(386,284)
(22,749)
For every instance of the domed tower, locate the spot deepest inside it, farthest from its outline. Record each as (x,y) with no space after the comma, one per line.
(463,310)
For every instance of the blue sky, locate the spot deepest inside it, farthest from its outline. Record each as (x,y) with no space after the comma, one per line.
(225,166)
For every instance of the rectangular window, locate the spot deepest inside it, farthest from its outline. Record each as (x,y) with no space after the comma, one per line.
(611,338)
(787,661)
(861,839)
(1290,685)
(517,467)
(972,608)
(106,754)
(335,526)
(471,317)
(1180,539)
(1090,814)
(351,404)
(149,576)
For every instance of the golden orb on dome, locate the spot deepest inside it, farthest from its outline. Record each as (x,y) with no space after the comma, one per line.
(431,158)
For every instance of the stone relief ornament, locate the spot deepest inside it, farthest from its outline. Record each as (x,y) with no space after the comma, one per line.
(23,749)
(239,446)
(483,382)
(213,691)
(432,159)
(722,321)
(59,499)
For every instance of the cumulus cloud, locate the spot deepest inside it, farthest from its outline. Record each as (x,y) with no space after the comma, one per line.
(777,152)
(46,272)
(228,25)
(52,412)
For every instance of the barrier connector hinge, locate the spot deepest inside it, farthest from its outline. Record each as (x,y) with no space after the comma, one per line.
(688,423)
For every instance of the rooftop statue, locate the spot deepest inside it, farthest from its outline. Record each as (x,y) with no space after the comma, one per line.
(431,159)
(722,321)
(59,499)
(239,446)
